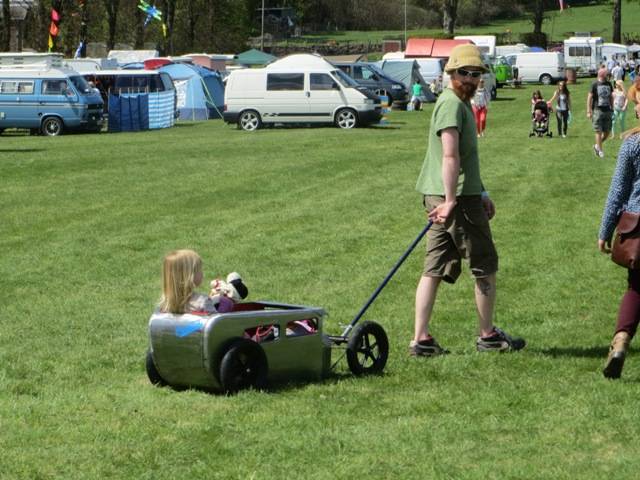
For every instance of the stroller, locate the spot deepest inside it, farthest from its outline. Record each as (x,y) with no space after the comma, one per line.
(540,120)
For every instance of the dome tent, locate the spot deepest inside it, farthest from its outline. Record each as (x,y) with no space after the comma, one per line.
(199,90)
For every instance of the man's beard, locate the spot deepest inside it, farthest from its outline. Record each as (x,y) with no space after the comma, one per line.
(466,91)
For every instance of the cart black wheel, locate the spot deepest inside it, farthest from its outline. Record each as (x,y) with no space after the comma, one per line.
(152,372)
(368,349)
(244,365)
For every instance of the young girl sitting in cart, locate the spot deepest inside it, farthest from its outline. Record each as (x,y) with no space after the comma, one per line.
(182,274)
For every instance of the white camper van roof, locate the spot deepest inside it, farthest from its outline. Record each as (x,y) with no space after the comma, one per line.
(301,60)
(37,73)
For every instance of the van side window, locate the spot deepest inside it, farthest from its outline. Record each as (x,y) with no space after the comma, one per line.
(367,74)
(25,88)
(285,81)
(322,81)
(54,87)
(8,87)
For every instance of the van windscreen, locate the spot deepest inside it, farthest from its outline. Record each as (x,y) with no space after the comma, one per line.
(344,79)
(81,84)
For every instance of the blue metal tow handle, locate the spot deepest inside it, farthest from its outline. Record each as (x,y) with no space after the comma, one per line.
(387,278)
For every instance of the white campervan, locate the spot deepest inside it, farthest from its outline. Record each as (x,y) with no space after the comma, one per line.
(583,53)
(543,67)
(301,88)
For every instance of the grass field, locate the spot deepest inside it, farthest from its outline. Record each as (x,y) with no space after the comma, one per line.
(558,26)
(312,216)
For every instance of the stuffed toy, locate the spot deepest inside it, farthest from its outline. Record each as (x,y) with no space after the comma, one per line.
(232,288)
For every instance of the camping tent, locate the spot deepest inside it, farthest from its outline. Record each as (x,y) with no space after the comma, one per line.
(406,71)
(200,91)
(254,58)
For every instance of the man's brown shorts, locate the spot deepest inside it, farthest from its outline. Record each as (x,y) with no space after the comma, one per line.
(465,235)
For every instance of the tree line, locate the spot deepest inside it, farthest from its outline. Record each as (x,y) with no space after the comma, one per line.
(226,25)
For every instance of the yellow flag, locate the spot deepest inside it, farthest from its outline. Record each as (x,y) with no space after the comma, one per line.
(50,42)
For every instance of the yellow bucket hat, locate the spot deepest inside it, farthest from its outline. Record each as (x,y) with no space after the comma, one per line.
(465,56)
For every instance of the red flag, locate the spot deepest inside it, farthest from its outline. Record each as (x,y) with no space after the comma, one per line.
(53,30)
(55,16)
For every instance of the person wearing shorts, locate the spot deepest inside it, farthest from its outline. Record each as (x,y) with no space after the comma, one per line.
(460,209)
(600,110)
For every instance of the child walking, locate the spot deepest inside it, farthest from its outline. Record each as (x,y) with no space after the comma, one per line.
(563,107)
(181,275)
(620,102)
(479,103)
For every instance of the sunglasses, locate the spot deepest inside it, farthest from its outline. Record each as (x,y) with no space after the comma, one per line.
(467,73)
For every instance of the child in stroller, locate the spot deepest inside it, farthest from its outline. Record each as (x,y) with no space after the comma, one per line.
(540,119)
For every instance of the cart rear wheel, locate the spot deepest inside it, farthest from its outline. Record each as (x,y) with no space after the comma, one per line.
(244,365)
(368,349)
(152,372)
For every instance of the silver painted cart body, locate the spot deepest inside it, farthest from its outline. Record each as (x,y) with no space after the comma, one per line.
(188,350)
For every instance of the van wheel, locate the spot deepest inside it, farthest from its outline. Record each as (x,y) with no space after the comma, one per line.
(545,79)
(494,93)
(249,121)
(346,118)
(51,126)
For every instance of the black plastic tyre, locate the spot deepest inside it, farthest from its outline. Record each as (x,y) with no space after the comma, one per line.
(152,372)
(52,127)
(244,365)
(368,349)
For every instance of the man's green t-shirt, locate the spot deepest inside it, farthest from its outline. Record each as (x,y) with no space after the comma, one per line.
(450,111)
(417,89)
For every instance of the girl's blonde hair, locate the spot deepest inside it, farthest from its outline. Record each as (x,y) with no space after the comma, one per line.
(631,132)
(620,84)
(178,272)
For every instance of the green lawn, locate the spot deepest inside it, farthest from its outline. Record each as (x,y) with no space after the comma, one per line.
(313,216)
(558,26)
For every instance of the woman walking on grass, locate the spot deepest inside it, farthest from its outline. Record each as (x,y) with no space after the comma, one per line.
(479,104)
(563,107)
(624,194)
(620,102)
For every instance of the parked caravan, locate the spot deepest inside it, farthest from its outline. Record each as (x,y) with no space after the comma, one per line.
(372,77)
(583,53)
(83,65)
(542,67)
(505,50)
(485,43)
(302,88)
(48,101)
(31,60)
(616,51)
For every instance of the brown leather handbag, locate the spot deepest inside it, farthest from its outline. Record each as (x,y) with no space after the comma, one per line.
(626,243)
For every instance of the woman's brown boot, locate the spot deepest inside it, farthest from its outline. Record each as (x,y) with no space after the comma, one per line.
(617,353)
